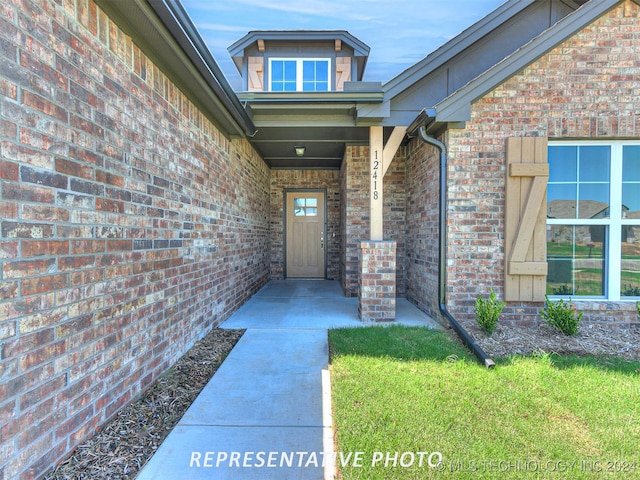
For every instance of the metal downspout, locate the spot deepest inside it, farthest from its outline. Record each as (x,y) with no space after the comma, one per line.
(442,252)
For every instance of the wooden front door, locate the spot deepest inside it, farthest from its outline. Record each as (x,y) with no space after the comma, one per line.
(305,242)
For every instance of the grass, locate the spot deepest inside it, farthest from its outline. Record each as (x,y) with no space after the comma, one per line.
(411,390)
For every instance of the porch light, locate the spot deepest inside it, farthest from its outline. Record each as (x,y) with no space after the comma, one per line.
(300,151)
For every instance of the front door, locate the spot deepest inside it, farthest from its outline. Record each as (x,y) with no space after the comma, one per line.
(305,234)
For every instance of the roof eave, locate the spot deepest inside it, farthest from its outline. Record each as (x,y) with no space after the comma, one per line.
(303,98)
(237,48)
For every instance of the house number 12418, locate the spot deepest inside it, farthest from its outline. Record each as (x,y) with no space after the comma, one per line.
(376,165)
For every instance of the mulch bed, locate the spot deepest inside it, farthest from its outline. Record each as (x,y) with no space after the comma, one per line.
(125,444)
(591,339)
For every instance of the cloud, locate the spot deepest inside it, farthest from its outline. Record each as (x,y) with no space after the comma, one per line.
(399,32)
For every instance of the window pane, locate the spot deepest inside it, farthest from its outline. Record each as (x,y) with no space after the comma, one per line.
(631,200)
(277,71)
(563,164)
(576,260)
(290,71)
(312,212)
(561,201)
(283,75)
(315,75)
(308,70)
(299,202)
(593,200)
(631,163)
(631,182)
(322,72)
(312,202)
(630,267)
(594,163)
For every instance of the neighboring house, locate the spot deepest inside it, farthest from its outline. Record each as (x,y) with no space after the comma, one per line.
(143,201)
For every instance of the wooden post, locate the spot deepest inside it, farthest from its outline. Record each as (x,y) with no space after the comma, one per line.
(380,157)
(376,175)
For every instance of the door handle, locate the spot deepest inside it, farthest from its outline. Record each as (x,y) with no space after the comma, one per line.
(322,240)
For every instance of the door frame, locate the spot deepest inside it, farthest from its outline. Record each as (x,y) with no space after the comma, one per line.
(285,192)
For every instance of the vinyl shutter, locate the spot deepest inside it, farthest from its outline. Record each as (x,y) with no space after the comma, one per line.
(525,219)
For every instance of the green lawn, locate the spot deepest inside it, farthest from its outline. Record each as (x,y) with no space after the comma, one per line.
(400,391)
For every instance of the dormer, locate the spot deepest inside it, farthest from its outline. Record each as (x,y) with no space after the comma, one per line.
(299,61)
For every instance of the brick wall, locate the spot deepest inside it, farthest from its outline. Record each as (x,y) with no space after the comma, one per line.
(327,180)
(422,213)
(377,281)
(129,227)
(354,187)
(585,88)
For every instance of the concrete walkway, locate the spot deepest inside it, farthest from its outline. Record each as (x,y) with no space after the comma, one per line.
(266,413)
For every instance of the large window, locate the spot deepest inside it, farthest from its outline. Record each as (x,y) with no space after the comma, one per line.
(299,75)
(593,220)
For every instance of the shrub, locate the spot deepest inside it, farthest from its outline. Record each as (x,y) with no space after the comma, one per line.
(488,311)
(638,307)
(562,315)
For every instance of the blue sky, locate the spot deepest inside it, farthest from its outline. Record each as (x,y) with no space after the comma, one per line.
(399,32)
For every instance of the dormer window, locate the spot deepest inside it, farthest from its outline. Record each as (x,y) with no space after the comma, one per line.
(299,74)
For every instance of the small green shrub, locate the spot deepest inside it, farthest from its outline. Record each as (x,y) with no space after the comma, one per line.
(562,315)
(488,311)
(638,307)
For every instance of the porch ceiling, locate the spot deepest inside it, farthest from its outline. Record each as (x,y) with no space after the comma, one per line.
(324,145)
(323,123)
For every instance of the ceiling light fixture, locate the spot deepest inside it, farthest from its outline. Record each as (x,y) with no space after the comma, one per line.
(299,151)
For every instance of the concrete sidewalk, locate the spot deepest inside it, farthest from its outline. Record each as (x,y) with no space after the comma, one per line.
(266,412)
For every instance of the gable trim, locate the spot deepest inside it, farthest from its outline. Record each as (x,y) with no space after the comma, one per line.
(457,107)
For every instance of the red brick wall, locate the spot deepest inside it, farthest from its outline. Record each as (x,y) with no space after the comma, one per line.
(423,163)
(586,88)
(129,227)
(377,281)
(354,187)
(327,180)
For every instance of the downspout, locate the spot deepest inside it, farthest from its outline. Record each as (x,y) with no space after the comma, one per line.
(442,254)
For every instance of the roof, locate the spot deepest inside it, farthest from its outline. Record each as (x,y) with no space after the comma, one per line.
(437,90)
(471,53)
(457,106)
(456,45)
(237,48)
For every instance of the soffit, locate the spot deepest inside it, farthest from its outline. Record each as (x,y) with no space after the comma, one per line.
(324,123)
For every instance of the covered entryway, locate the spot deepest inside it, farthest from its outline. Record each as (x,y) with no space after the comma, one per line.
(305,234)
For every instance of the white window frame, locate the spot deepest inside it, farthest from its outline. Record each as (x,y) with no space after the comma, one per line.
(613,254)
(299,71)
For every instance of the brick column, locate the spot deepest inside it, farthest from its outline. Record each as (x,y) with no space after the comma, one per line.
(377,281)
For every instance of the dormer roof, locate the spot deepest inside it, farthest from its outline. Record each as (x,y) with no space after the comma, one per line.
(238,49)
